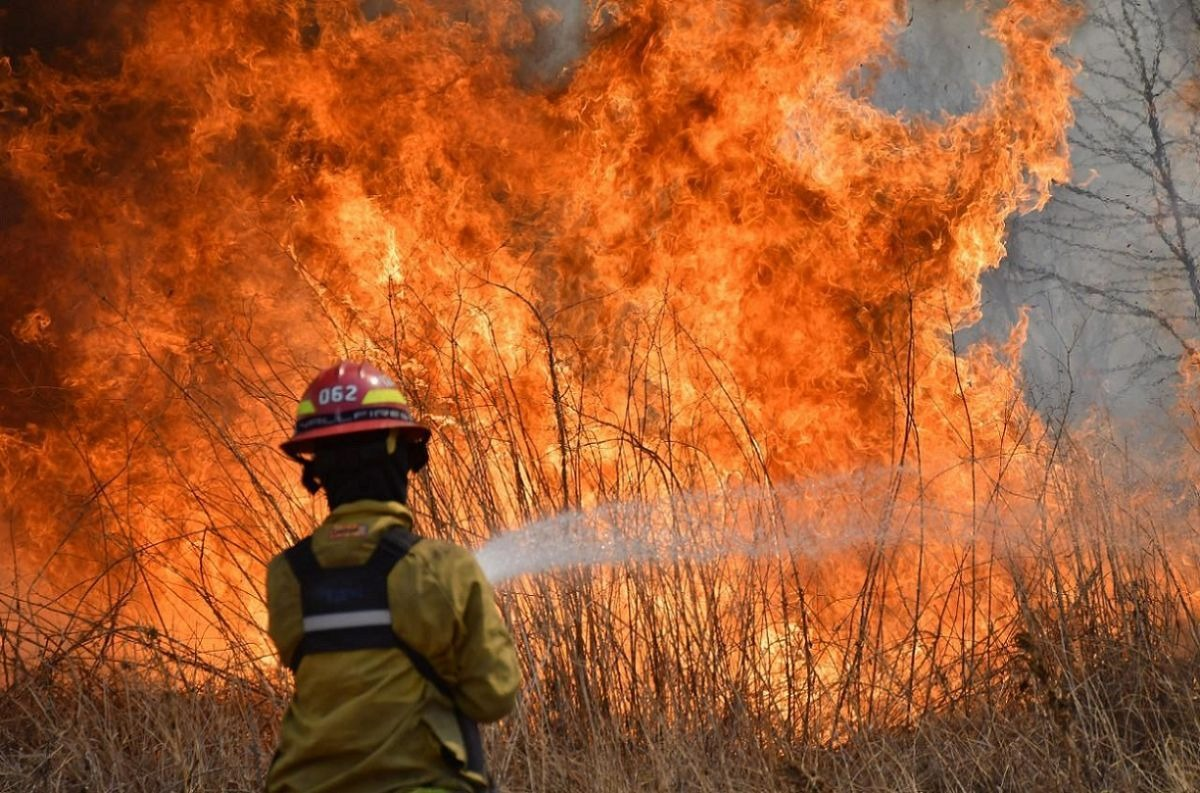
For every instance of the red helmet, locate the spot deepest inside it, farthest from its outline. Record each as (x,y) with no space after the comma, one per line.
(347,399)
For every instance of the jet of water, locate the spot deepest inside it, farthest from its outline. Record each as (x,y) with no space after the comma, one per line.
(816,517)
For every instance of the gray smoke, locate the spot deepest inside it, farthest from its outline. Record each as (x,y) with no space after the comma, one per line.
(559,41)
(943,62)
(1108,269)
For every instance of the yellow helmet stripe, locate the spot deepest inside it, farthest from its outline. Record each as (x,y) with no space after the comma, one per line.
(378,396)
(306,408)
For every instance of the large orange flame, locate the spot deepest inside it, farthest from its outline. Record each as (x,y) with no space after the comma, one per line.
(701,258)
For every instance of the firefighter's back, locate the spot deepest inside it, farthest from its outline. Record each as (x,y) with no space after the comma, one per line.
(356,725)
(367,720)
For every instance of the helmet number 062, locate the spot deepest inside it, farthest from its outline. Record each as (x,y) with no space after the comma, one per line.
(337,393)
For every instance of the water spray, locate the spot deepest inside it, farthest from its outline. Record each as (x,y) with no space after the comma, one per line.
(814,518)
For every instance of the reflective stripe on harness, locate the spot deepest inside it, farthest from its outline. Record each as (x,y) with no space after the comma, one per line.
(347,619)
(347,608)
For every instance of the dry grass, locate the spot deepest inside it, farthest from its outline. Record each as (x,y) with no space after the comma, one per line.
(1117,719)
(1020,621)
(648,677)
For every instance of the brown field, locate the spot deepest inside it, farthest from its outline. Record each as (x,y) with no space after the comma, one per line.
(647,677)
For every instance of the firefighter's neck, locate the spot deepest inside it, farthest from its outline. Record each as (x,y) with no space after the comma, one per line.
(369,508)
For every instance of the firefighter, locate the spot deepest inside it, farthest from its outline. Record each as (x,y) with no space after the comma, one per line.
(395,641)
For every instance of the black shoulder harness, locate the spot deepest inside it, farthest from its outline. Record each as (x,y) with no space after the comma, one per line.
(346,608)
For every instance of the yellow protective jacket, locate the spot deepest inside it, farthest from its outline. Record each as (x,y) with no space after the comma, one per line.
(366,721)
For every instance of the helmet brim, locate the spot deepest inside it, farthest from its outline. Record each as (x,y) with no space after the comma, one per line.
(302,442)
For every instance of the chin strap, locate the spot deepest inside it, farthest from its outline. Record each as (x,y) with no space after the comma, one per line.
(309,477)
(417,456)
(409,457)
